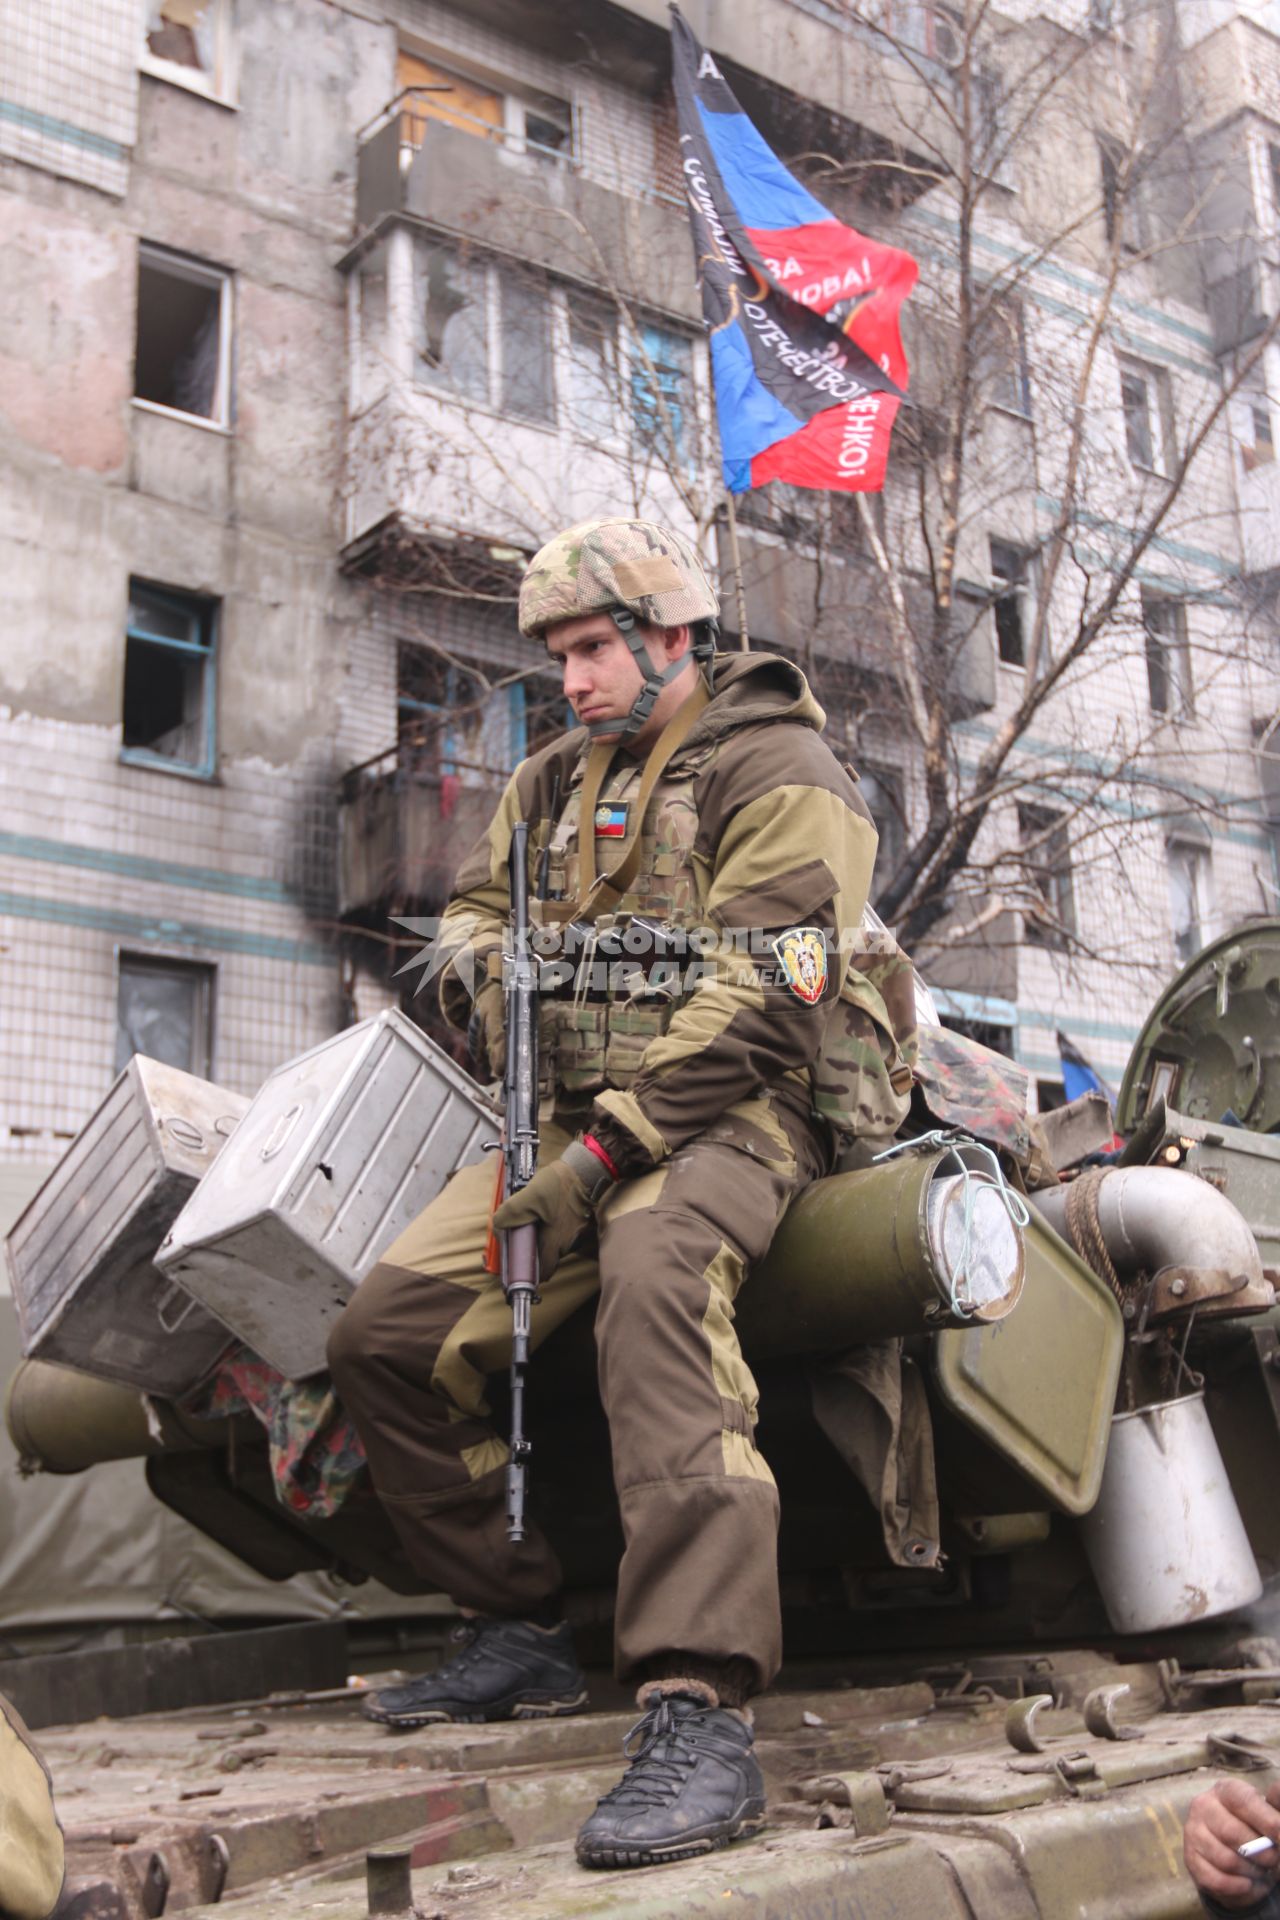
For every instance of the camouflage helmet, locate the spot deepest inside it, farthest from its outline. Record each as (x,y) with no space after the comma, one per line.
(602,565)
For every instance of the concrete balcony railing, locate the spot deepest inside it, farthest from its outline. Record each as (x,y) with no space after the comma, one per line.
(822,605)
(418,459)
(535,205)
(1244,302)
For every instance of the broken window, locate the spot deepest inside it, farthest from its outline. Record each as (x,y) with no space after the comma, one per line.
(189,41)
(1169,683)
(182,357)
(169,680)
(483,333)
(428,91)
(1050,920)
(1011,573)
(435,93)
(451,309)
(548,126)
(164,1010)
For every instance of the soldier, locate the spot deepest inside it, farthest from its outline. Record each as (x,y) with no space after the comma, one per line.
(31,1845)
(677,1125)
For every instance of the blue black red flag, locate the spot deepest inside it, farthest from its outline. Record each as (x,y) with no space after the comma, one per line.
(806,350)
(1077,1075)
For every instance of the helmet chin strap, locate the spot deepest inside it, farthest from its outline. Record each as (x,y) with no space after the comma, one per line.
(655,678)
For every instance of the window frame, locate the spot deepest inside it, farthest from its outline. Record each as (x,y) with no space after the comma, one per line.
(200,273)
(489,271)
(1006,308)
(634,371)
(1160,421)
(1019,587)
(207,612)
(584,304)
(203,973)
(1169,654)
(1200,869)
(516,106)
(222,88)
(1055,883)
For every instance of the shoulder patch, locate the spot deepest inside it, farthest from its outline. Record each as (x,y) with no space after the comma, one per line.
(802,955)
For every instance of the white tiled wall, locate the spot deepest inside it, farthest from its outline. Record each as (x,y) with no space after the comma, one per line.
(69,87)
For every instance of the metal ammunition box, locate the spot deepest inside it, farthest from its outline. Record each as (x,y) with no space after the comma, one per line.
(81,1255)
(339,1151)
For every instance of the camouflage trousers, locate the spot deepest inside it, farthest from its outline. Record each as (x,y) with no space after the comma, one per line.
(412,1351)
(31,1844)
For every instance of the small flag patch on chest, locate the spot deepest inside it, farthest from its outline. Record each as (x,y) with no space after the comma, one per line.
(611,822)
(802,953)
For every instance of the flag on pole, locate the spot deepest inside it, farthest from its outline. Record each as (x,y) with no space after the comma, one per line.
(1077,1075)
(806,351)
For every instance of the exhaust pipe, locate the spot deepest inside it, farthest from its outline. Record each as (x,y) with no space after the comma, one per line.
(1157,1219)
(1165,1540)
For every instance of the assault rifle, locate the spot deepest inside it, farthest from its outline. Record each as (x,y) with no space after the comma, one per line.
(519,1252)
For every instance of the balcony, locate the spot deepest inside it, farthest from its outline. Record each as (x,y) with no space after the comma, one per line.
(815,601)
(403,828)
(536,205)
(1243,303)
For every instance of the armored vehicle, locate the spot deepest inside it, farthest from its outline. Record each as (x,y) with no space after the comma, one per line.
(1026,1430)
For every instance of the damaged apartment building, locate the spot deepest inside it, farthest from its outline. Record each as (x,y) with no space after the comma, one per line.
(318,316)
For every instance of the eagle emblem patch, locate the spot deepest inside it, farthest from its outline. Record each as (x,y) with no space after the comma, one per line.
(611,821)
(802,955)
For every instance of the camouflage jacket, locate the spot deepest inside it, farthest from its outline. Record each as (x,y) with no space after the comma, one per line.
(758,836)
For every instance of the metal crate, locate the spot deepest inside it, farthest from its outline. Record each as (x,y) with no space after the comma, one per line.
(339,1152)
(81,1255)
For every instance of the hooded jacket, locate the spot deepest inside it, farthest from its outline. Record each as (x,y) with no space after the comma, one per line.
(782,856)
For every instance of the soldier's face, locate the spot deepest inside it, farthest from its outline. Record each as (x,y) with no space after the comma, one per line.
(601,677)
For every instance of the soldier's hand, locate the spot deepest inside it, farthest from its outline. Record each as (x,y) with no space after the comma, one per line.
(1220,1821)
(560,1201)
(487,1031)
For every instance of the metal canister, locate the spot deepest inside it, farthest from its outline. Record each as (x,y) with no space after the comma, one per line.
(1165,1539)
(908,1245)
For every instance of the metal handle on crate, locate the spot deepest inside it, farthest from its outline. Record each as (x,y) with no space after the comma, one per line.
(283,1127)
(172,1326)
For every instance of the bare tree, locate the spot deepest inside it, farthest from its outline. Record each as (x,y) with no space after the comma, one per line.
(1053,482)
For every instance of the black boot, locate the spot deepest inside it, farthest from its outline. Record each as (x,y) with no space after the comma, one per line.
(507,1670)
(693,1785)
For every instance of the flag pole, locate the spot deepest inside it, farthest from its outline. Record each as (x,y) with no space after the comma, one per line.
(735,555)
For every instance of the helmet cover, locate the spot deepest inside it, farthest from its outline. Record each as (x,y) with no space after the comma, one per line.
(598,565)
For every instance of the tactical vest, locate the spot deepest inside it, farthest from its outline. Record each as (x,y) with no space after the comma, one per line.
(861,1080)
